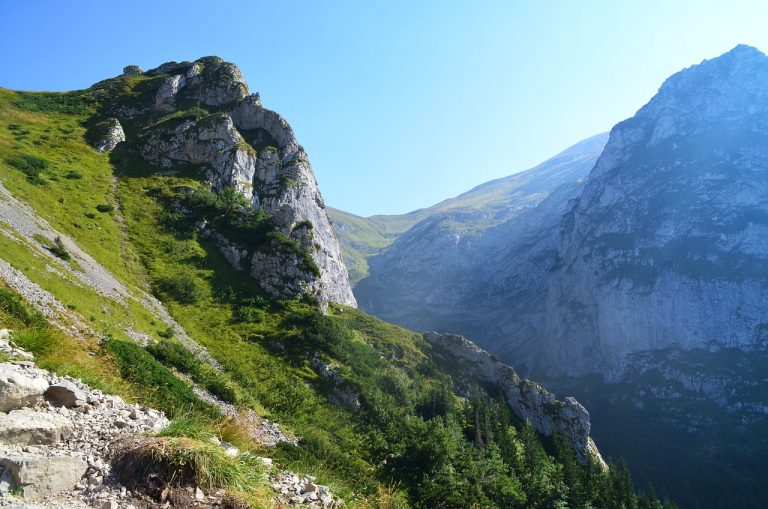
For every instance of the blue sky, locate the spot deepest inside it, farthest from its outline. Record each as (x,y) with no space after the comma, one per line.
(399,104)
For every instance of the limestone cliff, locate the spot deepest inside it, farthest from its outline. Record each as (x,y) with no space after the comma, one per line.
(199,115)
(666,246)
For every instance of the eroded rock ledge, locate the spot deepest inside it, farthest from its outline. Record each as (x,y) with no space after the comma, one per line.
(528,400)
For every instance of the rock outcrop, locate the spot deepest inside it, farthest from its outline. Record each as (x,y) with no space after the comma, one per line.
(105,135)
(528,400)
(240,144)
(132,70)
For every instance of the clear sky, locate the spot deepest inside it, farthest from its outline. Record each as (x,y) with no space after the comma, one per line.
(399,104)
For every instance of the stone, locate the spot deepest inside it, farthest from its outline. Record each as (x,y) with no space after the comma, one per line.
(267,462)
(30,427)
(132,70)
(18,388)
(105,135)
(106,504)
(199,495)
(165,99)
(41,476)
(65,394)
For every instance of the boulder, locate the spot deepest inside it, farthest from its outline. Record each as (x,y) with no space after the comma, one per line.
(105,135)
(18,388)
(65,394)
(28,427)
(36,477)
(132,70)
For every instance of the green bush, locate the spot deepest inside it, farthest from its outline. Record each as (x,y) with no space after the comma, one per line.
(59,250)
(173,353)
(248,314)
(163,389)
(105,207)
(32,166)
(184,287)
(73,175)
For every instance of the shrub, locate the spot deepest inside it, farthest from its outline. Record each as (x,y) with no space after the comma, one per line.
(248,314)
(184,287)
(163,388)
(174,354)
(105,207)
(73,175)
(59,250)
(32,166)
(10,304)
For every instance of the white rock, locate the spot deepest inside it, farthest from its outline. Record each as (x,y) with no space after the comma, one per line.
(18,388)
(40,476)
(29,427)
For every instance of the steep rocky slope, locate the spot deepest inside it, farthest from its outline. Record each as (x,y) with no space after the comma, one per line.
(666,244)
(640,290)
(451,271)
(482,207)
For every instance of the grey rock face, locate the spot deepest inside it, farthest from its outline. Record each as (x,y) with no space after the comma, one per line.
(666,245)
(30,427)
(165,98)
(41,476)
(212,142)
(477,269)
(527,400)
(255,151)
(132,70)
(19,389)
(105,135)
(663,246)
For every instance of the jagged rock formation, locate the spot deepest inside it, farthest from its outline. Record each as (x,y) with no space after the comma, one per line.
(666,246)
(247,147)
(528,400)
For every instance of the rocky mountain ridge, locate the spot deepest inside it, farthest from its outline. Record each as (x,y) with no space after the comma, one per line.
(200,114)
(454,270)
(528,400)
(665,246)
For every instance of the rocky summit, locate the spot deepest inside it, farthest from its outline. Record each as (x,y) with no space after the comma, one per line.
(666,244)
(199,115)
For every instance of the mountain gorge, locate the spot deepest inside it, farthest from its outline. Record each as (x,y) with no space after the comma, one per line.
(640,289)
(164,248)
